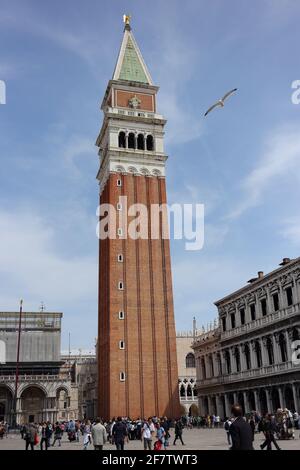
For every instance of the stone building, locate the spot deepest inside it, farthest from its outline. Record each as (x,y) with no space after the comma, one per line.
(186,369)
(252,356)
(45,390)
(83,365)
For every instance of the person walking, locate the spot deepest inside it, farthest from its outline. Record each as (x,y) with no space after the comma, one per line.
(252,424)
(147,433)
(240,431)
(178,432)
(45,436)
(119,433)
(87,439)
(30,436)
(99,435)
(227,425)
(268,428)
(57,434)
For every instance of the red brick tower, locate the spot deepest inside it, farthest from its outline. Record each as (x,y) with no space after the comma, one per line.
(138,374)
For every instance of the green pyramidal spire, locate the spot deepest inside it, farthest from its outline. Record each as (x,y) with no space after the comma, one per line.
(130,64)
(132,68)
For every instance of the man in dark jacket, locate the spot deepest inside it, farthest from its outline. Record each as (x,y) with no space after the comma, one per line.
(178,432)
(268,427)
(240,431)
(119,433)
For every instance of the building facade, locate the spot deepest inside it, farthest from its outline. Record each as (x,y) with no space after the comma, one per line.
(84,370)
(45,390)
(136,337)
(186,370)
(252,356)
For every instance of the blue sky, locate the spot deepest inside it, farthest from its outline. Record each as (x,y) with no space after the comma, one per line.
(242,161)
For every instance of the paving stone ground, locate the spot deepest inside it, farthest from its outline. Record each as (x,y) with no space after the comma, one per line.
(195,439)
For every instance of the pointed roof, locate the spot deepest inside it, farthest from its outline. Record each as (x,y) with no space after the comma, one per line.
(130,64)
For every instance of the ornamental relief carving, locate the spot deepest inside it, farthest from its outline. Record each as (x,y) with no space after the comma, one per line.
(297,274)
(274,286)
(261,292)
(287,279)
(250,298)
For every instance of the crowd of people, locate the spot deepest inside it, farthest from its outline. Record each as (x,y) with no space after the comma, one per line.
(154,432)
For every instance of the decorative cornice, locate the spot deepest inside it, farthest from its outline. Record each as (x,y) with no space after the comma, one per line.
(272,281)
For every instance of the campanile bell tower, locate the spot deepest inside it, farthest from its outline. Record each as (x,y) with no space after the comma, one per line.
(138,374)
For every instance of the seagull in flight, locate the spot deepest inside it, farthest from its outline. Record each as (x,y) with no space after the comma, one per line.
(221,101)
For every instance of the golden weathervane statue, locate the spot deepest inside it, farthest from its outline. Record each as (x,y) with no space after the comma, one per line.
(126,20)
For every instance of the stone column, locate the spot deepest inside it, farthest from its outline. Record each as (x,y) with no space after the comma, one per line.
(219,406)
(227,406)
(246,403)
(235,397)
(232,360)
(276,352)
(242,358)
(288,345)
(281,398)
(210,405)
(247,312)
(296,401)
(207,368)
(215,363)
(256,399)
(264,356)
(269,301)
(252,355)
(257,307)
(282,303)
(269,403)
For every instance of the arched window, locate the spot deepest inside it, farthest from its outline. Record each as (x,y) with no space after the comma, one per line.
(182,391)
(257,349)
(140,142)
(282,346)
(270,351)
(195,392)
(122,140)
(247,356)
(189,390)
(150,145)
(131,140)
(237,359)
(190,360)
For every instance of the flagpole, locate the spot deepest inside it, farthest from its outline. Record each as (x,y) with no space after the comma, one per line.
(18,360)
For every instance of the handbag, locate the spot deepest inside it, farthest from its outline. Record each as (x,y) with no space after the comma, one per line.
(36,439)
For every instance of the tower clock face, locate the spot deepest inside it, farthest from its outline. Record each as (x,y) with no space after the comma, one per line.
(134,102)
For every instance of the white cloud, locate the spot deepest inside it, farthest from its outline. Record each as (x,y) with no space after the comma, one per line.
(31,267)
(178,59)
(84,44)
(199,281)
(291,230)
(281,156)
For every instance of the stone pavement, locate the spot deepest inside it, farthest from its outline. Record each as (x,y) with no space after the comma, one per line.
(195,439)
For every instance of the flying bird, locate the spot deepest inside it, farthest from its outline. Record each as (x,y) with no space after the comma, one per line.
(221,101)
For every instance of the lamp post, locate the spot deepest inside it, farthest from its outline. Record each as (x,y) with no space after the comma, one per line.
(17,364)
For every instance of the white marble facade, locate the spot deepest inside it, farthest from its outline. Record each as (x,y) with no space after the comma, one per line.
(252,356)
